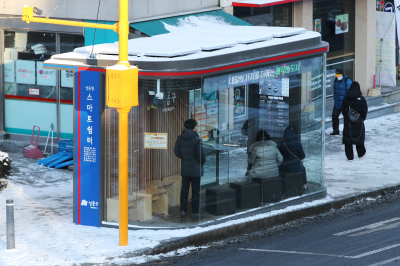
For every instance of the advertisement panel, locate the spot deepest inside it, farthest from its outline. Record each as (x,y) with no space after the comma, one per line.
(9,70)
(25,72)
(45,77)
(342,23)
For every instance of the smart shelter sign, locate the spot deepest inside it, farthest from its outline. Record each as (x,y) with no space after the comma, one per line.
(87,147)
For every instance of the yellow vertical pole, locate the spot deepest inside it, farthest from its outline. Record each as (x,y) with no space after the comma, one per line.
(123,175)
(123,32)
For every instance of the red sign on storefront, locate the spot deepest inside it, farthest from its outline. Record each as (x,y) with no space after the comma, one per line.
(33,91)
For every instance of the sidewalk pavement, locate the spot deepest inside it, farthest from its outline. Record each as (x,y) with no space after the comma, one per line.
(46,235)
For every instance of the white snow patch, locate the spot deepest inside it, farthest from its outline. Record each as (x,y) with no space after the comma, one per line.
(190,22)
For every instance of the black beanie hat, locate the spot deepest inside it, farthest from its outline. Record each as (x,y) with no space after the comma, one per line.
(190,124)
(355,85)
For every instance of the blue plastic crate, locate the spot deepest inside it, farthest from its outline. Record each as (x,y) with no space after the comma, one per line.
(66,145)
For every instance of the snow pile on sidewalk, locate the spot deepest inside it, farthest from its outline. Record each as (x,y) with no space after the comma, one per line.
(5,169)
(46,235)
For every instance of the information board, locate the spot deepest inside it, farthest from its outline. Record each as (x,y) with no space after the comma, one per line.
(274,106)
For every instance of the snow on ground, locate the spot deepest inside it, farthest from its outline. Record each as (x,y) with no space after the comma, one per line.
(380,166)
(45,234)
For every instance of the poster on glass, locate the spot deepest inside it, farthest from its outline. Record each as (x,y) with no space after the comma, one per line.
(342,24)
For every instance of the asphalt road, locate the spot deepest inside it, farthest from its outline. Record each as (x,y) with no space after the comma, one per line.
(366,233)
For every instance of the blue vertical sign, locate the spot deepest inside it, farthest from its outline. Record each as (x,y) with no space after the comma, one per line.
(87,148)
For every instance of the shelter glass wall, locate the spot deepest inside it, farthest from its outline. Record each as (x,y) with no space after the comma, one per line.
(241,120)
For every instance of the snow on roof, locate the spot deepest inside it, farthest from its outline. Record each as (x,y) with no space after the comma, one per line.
(261,3)
(185,44)
(190,40)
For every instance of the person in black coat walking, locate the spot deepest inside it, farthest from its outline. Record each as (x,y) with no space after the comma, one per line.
(292,152)
(354,133)
(189,148)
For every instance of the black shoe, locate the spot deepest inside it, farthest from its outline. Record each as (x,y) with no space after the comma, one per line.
(195,215)
(183,214)
(335,133)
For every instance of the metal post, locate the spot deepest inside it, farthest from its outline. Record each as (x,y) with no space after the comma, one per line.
(380,65)
(123,175)
(58,94)
(123,32)
(10,224)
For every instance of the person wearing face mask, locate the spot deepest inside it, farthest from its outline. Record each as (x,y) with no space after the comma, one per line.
(341,87)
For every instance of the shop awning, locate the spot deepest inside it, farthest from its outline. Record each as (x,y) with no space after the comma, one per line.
(162,26)
(261,3)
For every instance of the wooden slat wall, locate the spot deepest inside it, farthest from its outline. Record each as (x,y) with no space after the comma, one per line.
(144,164)
(111,150)
(164,162)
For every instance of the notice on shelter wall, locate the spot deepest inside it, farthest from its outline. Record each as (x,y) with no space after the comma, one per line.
(155,140)
(342,23)
(67,79)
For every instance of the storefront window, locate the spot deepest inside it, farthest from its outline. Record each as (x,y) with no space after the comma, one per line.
(335,20)
(278,15)
(28,86)
(244,119)
(24,55)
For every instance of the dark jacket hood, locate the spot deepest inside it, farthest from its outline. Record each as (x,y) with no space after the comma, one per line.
(353,94)
(189,134)
(290,135)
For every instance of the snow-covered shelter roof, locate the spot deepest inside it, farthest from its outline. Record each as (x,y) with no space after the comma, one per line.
(260,3)
(200,48)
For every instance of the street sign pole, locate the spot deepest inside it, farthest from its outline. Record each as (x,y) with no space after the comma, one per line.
(122,94)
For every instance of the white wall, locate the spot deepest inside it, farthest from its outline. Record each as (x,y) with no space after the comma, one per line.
(87,9)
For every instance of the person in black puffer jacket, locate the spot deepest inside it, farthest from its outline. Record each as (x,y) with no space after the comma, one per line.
(354,133)
(292,152)
(189,148)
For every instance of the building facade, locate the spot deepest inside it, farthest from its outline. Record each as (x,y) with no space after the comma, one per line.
(352,46)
